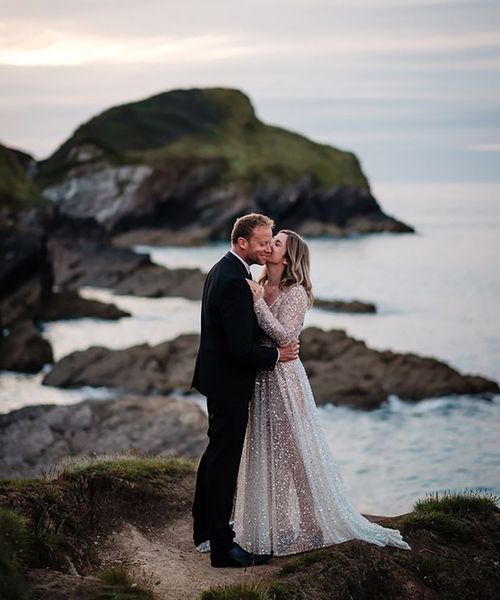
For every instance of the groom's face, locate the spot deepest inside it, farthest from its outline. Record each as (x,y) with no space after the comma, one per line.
(259,247)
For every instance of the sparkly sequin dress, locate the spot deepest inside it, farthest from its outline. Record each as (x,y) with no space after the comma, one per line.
(290,495)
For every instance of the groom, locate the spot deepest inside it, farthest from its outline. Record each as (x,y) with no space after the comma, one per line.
(225,371)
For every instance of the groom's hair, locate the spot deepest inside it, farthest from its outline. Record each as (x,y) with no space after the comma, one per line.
(244,226)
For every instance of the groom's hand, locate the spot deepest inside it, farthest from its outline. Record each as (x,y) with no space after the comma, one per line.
(289,352)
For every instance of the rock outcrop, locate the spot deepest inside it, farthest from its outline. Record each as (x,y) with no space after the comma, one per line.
(26,280)
(28,297)
(349,306)
(342,370)
(68,304)
(121,269)
(143,368)
(22,348)
(35,438)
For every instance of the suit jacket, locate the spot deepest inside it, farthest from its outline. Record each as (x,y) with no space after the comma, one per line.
(229,354)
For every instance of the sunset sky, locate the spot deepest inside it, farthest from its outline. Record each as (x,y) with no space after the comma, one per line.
(411,86)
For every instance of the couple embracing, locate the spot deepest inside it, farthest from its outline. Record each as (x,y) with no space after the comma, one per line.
(266,446)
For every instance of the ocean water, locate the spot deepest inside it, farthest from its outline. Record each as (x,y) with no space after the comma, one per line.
(437,293)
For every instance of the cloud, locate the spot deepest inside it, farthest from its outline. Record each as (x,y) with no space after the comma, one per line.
(58,48)
(484,147)
(28,41)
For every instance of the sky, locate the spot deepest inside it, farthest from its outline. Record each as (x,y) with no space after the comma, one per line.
(411,86)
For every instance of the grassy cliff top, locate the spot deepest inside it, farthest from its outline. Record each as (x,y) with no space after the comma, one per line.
(47,526)
(204,124)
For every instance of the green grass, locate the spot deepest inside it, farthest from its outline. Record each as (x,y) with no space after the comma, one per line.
(458,503)
(20,485)
(185,127)
(132,468)
(15,549)
(452,514)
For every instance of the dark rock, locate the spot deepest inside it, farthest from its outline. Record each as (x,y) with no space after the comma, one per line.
(342,370)
(26,275)
(350,306)
(26,279)
(35,438)
(122,270)
(161,237)
(142,368)
(70,305)
(24,349)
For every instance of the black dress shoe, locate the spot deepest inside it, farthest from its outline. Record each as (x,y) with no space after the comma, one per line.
(236,557)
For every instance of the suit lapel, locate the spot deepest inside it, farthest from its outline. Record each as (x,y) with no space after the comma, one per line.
(232,258)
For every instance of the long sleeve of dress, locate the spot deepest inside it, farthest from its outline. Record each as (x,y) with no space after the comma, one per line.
(233,308)
(294,307)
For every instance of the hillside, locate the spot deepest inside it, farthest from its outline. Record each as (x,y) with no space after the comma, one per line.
(203,124)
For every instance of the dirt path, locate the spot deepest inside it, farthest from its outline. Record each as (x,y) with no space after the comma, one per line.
(167,562)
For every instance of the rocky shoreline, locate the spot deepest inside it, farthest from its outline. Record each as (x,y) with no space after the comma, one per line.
(152,411)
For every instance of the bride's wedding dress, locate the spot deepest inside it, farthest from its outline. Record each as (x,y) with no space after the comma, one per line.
(290,495)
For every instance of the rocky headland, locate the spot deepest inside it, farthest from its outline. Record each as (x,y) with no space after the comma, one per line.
(180,166)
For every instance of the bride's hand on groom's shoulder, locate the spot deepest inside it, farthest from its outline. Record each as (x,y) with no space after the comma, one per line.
(257,290)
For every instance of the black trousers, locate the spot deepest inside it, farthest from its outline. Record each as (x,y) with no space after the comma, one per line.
(218,474)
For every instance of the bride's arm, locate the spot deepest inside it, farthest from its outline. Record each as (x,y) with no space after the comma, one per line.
(294,308)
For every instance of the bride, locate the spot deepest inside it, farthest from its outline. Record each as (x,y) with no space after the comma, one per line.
(290,495)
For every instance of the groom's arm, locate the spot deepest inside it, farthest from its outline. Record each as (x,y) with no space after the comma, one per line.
(236,310)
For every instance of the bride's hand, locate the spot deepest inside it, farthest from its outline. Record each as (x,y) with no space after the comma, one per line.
(257,290)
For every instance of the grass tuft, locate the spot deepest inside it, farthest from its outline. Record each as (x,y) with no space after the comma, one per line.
(239,591)
(119,585)
(451,514)
(458,503)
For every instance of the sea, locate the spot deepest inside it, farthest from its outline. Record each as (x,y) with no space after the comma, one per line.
(437,294)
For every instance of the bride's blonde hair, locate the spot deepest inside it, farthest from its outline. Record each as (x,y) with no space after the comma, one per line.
(298,266)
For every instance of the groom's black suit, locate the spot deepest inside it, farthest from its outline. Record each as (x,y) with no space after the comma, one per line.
(226,366)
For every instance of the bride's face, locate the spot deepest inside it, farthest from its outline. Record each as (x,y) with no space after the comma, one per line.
(278,249)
